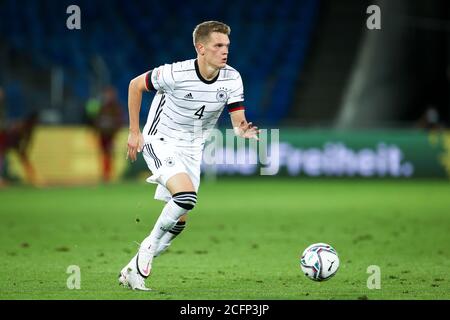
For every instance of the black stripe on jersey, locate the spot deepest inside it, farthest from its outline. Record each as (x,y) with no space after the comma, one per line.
(156,160)
(174,129)
(154,129)
(171,119)
(177,105)
(190,100)
(157,113)
(211,118)
(190,109)
(189,117)
(185,132)
(148,81)
(157,117)
(168,107)
(197,100)
(186,124)
(154,156)
(155,123)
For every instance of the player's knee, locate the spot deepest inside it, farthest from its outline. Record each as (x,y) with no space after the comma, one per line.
(185,200)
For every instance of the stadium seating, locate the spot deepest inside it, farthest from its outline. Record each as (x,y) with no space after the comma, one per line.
(268,46)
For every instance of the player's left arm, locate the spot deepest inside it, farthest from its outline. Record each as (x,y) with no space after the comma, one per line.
(242,127)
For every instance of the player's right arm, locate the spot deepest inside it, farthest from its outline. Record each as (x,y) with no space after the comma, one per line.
(160,79)
(136,88)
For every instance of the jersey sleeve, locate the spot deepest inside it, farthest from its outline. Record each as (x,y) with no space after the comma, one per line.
(162,78)
(236,98)
(237,95)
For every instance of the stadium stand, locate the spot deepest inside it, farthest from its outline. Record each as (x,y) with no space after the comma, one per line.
(132,37)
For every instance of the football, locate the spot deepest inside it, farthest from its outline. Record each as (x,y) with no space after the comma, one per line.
(319,262)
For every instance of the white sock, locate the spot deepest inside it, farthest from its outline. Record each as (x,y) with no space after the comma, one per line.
(180,203)
(167,238)
(167,219)
(177,206)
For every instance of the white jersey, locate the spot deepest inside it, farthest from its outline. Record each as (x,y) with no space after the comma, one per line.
(186,106)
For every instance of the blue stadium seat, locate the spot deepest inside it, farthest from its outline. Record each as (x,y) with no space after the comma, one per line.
(269,42)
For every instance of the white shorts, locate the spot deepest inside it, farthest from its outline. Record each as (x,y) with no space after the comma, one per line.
(166,160)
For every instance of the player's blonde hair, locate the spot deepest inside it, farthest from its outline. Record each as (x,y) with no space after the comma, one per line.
(203,30)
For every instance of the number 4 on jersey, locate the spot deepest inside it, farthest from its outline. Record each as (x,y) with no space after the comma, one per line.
(200,111)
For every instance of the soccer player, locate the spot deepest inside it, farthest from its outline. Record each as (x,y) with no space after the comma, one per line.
(190,95)
(107,124)
(17,137)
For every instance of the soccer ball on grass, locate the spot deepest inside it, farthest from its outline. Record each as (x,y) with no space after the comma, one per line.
(319,262)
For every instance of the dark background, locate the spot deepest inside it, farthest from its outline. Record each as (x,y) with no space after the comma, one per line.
(304,63)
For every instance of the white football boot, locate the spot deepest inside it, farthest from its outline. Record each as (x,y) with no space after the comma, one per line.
(137,282)
(123,276)
(132,279)
(144,260)
(125,270)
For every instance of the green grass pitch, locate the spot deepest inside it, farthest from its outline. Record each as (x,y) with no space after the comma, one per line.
(242,241)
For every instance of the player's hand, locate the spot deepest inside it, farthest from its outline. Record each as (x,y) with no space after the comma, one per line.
(135,144)
(247,130)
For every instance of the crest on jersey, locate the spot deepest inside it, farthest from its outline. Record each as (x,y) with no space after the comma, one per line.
(169,162)
(222,95)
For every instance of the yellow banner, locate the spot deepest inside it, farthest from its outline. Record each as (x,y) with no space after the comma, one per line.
(68,155)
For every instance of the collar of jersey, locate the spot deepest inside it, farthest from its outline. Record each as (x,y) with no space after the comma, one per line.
(197,70)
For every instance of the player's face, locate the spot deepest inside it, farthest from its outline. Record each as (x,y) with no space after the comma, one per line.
(216,50)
